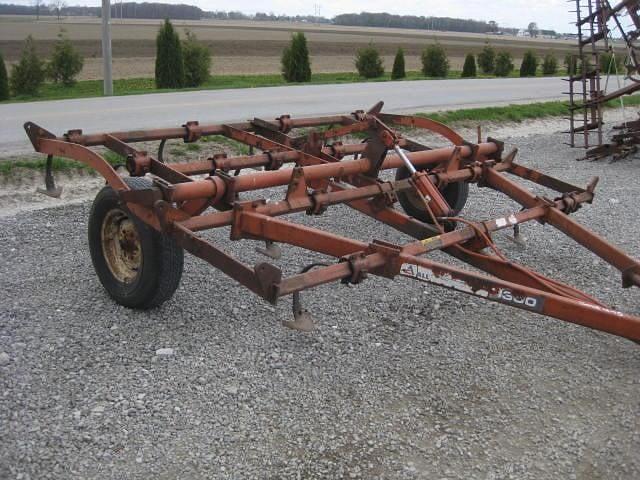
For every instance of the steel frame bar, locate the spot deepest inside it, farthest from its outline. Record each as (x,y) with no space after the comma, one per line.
(526,298)
(322,178)
(627,265)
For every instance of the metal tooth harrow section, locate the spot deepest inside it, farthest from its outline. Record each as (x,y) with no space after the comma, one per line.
(596,22)
(189,197)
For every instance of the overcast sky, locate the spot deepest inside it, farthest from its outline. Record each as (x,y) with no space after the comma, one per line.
(549,14)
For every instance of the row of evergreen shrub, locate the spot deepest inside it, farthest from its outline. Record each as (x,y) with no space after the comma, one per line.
(499,64)
(30,72)
(179,63)
(435,63)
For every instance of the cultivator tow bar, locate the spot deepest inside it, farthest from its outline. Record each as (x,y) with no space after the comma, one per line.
(140,225)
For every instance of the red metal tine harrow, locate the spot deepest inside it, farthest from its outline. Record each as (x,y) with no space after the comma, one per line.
(139,226)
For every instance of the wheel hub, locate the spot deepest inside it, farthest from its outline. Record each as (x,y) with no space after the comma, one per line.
(121,246)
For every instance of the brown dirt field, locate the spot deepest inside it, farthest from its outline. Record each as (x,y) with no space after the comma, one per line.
(251,47)
(240,48)
(14,28)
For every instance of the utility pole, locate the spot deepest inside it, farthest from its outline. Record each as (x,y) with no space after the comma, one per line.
(106,47)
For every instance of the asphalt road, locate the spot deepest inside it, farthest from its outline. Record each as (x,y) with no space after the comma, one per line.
(170,109)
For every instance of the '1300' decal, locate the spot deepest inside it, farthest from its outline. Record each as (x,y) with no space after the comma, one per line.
(523,301)
(502,295)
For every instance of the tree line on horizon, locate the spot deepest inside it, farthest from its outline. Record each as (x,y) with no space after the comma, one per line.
(387,20)
(118,10)
(157,10)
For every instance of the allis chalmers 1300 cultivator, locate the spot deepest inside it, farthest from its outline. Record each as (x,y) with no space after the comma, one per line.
(140,225)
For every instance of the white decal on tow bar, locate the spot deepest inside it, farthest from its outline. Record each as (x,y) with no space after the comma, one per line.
(502,295)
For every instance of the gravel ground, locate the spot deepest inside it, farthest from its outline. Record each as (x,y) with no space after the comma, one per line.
(400,380)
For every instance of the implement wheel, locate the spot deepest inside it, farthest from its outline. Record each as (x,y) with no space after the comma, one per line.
(455,194)
(138,266)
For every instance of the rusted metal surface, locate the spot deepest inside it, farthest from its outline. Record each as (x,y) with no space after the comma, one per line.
(598,23)
(330,168)
(121,245)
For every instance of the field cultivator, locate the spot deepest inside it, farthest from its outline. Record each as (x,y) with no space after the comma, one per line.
(139,225)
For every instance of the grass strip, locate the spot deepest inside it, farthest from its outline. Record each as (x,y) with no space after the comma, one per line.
(237,147)
(136,86)
(59,164)
(515,112)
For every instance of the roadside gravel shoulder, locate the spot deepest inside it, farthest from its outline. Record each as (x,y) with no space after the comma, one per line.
(398,381)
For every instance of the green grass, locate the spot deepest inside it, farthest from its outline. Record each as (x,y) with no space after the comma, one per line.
(177,151)
(237,147)
(134,86)
(509,113)
(515,113)
(58,164)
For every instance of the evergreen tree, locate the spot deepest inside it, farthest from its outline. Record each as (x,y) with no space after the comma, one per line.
(571,62)
(434,61)
(4,80)
(469,68)
(610,63)
(487,59)
(197,61)
(66,63)
(296,66)
(529,64)
(28,74)
(398,66)
(549,64)
(368,62)
(169,61)
(504,64)
(584,65)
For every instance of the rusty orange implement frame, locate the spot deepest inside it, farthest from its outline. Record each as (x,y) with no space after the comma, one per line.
(189,197)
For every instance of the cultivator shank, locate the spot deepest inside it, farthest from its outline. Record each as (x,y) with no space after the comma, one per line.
(189,197)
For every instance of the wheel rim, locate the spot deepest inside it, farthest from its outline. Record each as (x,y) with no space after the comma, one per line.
(417,203)
(121,246)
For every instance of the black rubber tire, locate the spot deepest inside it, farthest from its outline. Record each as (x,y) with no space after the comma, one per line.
(456,195)
(162,258)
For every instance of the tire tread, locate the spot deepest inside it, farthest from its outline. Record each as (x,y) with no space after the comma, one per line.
(167,256)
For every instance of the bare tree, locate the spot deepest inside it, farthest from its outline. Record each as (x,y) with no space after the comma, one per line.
(533,29)
(58,6)
(37,4)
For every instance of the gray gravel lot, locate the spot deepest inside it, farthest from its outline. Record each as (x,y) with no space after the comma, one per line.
(400,380)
